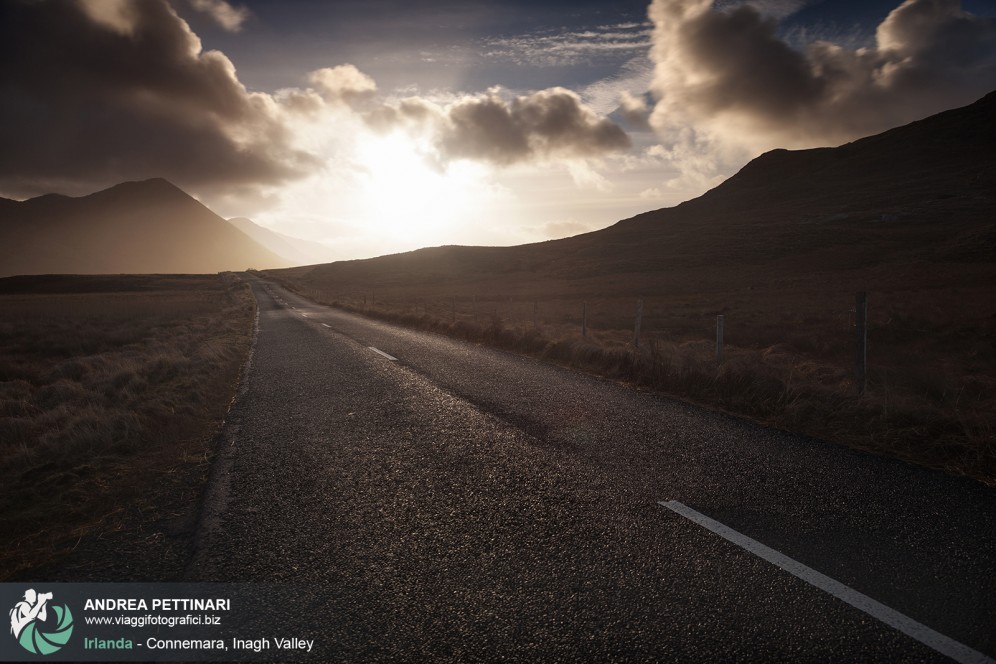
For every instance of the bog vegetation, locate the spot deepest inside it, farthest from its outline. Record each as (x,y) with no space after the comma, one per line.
(111,390)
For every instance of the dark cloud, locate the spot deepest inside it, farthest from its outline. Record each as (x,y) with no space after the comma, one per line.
(545,124)
(730,76)
(97,91)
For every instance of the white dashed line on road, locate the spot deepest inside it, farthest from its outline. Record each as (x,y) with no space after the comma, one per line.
(327,325)
(377,350)
(925,635)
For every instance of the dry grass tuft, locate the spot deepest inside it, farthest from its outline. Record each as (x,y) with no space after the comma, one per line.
(105,396)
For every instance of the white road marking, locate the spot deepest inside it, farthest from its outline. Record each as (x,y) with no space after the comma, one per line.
(305,315)
(925,635)
(377,350)
(327,325)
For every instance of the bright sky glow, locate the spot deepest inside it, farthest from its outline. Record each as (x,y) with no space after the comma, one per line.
(385,125)
(410,203)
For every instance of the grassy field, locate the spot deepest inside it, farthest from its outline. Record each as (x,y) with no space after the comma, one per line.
(111,391)
(789,352)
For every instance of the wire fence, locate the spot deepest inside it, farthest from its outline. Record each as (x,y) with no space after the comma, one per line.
(886,340)
(902,369)
(826,329)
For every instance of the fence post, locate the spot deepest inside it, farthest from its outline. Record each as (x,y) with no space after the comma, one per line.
(639,319)
(719,338)
(861,332)
(584,319)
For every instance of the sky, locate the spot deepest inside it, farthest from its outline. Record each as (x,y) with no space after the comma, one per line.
(378,126)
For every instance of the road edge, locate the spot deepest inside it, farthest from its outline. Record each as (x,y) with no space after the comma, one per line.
(214,498)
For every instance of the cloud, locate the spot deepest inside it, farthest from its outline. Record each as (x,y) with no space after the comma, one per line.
(117,15)
(411,113)
(552,123)
(633,78)
(773,8)
(557,48)
(343,84)
(113,90)
(727,80)
(539,126)
(107,91)
(633,110)
(225,15)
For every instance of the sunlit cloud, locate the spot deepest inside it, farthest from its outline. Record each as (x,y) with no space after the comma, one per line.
(126,92)
(545,124)
(728,86)
(227,16)
(343,83)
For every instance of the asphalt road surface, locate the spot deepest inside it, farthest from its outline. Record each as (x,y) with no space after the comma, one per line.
(453,502)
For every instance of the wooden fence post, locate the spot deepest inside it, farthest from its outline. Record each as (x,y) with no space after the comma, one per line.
(639,319)
(719,338)
(584,319)
(861,337)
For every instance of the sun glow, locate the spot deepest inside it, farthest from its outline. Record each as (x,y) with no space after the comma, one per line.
(407,198)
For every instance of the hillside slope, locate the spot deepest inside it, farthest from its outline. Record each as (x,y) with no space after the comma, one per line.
(869,210)
(295,250)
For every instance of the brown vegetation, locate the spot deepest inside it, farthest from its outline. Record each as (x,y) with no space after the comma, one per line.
(789,348)
(788,359)
(111,390)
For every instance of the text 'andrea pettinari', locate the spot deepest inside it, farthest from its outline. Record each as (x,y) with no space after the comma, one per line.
(158,604)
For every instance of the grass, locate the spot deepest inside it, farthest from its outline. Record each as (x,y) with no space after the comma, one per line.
(788,354)
(111,391)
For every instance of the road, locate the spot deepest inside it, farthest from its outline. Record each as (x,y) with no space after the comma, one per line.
(454,502)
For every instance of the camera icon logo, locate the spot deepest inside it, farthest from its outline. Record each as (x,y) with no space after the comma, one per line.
(30,624)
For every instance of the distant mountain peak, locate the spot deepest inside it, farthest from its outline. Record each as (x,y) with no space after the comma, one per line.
(133,227)
(152,186)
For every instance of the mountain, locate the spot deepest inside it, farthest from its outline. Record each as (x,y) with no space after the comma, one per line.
(879,211)
(295,250)
(135,227)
